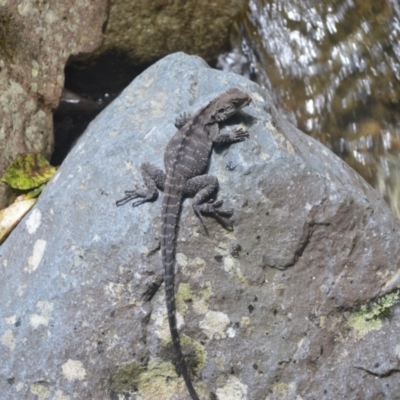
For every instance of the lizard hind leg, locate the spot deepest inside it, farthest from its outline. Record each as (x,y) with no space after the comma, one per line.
(203,187)
(153,179)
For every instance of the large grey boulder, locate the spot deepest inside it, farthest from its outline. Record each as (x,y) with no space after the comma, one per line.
(298,302)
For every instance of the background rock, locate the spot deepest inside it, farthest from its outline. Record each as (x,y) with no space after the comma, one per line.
(299,300)
(37,38)
(150,29)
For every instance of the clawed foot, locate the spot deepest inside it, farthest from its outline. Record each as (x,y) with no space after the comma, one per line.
(237,135)
(182,119)
(240,134)
(144,196)
(212,209)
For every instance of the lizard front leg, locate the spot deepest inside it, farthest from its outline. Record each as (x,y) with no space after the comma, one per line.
(202,187)
(237,135)
(182,120)
(153,179)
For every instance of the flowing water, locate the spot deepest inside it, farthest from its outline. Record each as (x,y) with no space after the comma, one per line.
(334,69)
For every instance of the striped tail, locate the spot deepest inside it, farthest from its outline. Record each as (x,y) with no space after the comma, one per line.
(170,218)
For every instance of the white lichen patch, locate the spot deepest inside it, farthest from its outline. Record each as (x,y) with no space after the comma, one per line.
(231,333)
(33,222)
(220,361)
(42,319)
(37,255)
(73,370)
(7,339)
(115,291)
(193,267)
(233,390)
(245,322)
(214,324)
(181,260)
(160,381)
(51,17)
(61,396)
(40,390)
(11,320)
(229,264)
(25,8)
(159,317)
(232,266)
(282,390)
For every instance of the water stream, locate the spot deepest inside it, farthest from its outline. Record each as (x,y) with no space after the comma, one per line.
(334,69)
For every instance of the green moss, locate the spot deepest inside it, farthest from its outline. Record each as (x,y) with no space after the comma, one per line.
(182,297)
(126,378)
(280,389)
(206,293)
(197,363)
(158,380)
(372,315)
(193,351)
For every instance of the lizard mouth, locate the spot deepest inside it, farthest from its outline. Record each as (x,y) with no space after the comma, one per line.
(249,100)
(239,105)
(245,102)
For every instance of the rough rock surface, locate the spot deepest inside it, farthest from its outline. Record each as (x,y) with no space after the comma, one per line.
(36,39)
(150,29)
(299,301)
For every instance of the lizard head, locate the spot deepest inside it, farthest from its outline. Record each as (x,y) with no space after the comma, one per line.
(228,104)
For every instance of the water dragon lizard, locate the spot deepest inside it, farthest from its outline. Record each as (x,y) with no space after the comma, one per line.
(186,159)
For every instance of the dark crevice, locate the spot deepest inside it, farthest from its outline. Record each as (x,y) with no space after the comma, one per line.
(152,289)
(353,245)
(90,85)
(385,374)
(155,248)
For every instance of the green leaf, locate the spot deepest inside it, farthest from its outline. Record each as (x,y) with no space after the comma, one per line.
(28,172)
(34,193)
